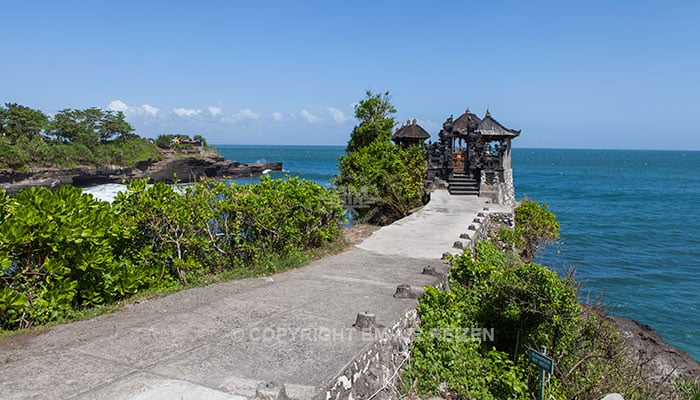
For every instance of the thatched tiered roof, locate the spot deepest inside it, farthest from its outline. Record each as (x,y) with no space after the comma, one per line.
(490,127)
(466,122)
(410,131)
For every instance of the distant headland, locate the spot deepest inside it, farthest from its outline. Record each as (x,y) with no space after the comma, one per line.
(94,146)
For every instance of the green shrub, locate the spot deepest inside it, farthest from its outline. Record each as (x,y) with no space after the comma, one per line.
(56,254)
(209,227)
(534,224)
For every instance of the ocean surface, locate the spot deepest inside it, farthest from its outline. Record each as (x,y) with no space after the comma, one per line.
(630,223)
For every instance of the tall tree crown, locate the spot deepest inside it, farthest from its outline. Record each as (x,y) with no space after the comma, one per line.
(376,116)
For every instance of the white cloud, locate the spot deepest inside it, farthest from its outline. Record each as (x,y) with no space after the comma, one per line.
(245,115)
(338,116)
(149,109)
(310,118)
(277,116)
(184,112)
(118,105)
(214,110)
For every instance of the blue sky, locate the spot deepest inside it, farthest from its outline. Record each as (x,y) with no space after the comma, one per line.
(609,74)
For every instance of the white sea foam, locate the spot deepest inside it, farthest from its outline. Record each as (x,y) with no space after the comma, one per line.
(106,192)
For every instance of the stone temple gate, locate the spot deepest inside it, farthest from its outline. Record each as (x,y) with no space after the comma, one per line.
(474,156)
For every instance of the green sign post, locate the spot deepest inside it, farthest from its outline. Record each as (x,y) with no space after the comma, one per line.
(545,363)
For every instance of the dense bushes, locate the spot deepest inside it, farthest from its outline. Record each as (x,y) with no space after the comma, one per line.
(29,138)
(525,306)
(211,226)
(55,254)
(38,152)
(62,250)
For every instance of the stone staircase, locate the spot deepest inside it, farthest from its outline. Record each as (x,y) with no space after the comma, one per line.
(462,184)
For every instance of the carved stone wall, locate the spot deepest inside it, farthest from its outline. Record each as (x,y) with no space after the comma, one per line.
(370,372)
(500,190)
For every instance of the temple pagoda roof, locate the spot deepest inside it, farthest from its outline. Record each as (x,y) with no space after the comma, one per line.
(467,122)
(410,130)
(490,127)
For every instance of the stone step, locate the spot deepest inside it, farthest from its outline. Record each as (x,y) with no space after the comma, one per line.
(463,185)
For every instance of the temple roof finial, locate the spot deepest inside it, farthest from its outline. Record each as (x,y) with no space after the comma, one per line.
(488,112)
(468,111)
(414,121)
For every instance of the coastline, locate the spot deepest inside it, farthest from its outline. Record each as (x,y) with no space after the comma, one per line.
(189,167)
(659,360)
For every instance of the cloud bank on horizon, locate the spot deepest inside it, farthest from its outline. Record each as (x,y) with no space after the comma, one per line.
(148,116)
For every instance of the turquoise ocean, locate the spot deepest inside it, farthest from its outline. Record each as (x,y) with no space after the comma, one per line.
(630,223)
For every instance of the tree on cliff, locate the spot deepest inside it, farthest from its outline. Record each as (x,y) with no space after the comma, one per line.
(20,121)
(374,170)
(28,137)
(90,126)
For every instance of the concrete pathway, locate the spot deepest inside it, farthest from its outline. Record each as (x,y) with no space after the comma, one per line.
(223,340)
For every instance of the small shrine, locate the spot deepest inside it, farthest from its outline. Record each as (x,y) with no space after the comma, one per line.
(473,156)
(410,134)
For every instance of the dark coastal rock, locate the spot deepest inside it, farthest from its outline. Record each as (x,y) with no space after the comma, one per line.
(184,168)
(661,361)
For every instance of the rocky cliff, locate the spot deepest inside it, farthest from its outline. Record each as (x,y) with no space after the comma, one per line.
(188,167)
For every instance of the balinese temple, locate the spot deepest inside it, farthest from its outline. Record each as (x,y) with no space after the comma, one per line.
(410,134)
(474,157)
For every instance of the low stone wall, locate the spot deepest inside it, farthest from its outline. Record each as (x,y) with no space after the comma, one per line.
(370,374)
(479,228)
(507,219)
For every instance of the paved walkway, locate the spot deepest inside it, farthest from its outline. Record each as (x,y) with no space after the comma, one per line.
(221,341)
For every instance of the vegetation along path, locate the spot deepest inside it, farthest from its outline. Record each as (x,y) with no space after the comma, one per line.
(229,340)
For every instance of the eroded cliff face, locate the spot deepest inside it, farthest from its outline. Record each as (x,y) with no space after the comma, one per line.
(181,167)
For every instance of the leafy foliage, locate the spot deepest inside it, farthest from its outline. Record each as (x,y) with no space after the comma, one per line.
(527,306)
(374,166)
(56,254)
(62,250)
(375,113)
(89,126)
